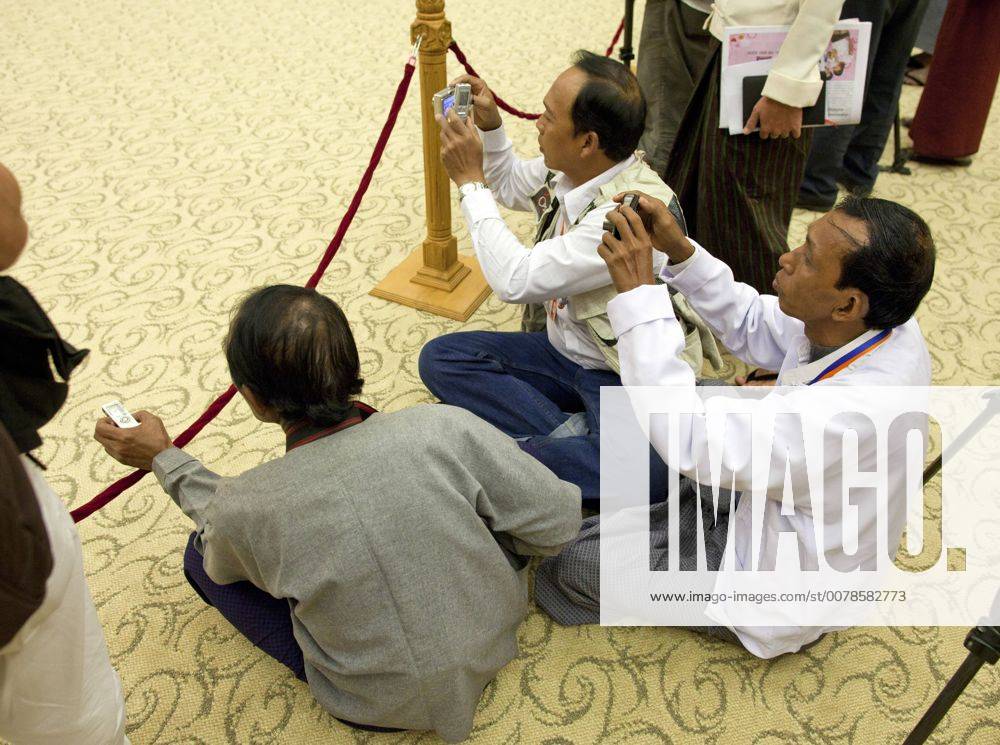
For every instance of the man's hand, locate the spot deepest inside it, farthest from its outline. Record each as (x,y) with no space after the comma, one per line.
(136,446)
(461,149)
(664,233)
(485,106)
(775,119)
(630,259)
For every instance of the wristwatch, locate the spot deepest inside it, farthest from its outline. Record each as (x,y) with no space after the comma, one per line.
(467,188)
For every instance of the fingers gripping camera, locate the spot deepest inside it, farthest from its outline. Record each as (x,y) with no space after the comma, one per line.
(457,97)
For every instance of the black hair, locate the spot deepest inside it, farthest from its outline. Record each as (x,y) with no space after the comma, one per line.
(895,267)
(610,104)
(294,349)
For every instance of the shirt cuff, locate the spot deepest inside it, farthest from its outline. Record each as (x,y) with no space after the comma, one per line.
(479,205)
(669,270)
(690,275)
(643,304)
(494,140)
(790,91)
(169,460)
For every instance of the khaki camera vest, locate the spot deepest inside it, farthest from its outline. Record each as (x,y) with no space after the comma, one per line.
(591,307)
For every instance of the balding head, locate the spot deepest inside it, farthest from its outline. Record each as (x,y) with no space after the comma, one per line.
(13,230)
(292,348)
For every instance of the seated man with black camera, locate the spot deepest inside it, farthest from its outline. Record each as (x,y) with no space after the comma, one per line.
(840,322)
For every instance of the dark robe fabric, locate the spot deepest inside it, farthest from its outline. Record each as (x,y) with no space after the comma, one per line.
(27,558)
(955,102)
(31,347)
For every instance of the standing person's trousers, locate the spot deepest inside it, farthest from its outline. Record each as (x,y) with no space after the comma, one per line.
(850,154)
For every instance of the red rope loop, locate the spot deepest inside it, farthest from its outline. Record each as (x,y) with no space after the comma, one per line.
(464,62)
(614,41)
(220,403)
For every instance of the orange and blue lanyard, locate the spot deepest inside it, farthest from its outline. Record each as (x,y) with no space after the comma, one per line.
(855,354)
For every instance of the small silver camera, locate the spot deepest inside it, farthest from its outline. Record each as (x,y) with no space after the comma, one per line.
(457,97)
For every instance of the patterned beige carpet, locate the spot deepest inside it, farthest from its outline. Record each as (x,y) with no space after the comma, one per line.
(175,154)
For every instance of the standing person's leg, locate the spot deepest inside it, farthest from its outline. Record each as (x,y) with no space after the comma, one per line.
(830,144)
(517,382)
(671,59)
(956,100)
(57,685)
(897,28)
(739,188)
(929,27)
(823,167)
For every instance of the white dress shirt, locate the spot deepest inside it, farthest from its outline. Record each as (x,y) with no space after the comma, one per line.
(755,330)
(554,269)
(57,685)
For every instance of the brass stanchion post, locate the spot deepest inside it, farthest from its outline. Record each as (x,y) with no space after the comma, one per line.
(435,278)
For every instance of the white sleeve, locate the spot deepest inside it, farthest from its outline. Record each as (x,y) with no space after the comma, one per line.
(558,267)
(750,325)
(511,179)
(57,684)
(649,342)
(794,79)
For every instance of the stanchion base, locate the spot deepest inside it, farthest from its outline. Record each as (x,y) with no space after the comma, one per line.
(460,303)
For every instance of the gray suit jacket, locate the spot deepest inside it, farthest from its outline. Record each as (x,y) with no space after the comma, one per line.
(395,542)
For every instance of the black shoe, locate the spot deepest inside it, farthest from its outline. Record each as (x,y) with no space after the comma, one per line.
(930,160)
(814,203)
(854,189)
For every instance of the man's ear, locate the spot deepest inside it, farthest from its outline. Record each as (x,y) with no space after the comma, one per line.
(13,235)
(591,144)
(853,306)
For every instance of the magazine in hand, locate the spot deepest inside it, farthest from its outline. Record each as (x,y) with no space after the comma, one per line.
(753,86)
(748,52)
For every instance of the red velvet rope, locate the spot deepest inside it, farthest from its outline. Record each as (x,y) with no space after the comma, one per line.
(464,62)
(331,250)
(614,41)
(216,407)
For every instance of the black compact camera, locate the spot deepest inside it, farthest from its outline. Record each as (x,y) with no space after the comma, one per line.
(631,200)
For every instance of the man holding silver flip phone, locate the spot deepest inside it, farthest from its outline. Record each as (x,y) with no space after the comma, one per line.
(542,385)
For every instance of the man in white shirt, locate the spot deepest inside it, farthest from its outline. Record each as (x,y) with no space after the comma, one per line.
(529,384)
(843,316)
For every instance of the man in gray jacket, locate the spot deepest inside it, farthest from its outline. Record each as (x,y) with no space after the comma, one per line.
(381,558)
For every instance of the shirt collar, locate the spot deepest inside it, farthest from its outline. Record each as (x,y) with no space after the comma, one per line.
(304,431)
(576,199)
(801,374)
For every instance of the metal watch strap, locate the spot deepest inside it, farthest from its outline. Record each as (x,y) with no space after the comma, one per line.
(469,187)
